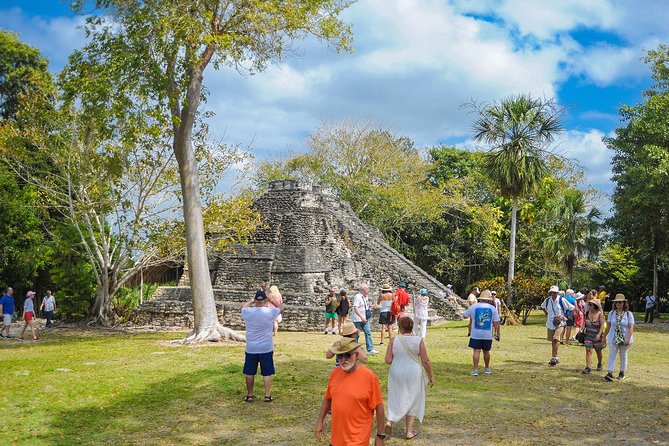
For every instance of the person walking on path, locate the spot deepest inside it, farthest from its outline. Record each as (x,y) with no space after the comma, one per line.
(410,372)
(353,396)
(555,307)
(259,319)
(386,319)
(594,335)
(330,310)
(569,297)
(49,307)
(485,327)
(29,315)
(343,308)
(420,306)
(362,314)
(7,304)
(579,314)
(651,301)
(619,335)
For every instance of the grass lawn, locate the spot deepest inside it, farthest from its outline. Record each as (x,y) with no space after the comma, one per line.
(95,388)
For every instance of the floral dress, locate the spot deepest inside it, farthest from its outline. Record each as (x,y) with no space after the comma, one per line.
(591,332)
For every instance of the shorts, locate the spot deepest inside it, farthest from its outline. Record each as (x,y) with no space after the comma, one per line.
(266,361)
(28,316)
(554,334)
(480,344)
(570,322)
(330,315)
(386,318)
(7,319)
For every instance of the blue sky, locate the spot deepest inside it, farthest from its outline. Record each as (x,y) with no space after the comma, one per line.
(415,63)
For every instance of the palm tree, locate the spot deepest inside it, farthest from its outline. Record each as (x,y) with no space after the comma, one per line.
(518,131)
(576,232)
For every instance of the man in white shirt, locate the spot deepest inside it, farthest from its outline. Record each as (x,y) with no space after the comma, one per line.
(259,319)
(651,301)
(361,316)
(555,308)
(49,307)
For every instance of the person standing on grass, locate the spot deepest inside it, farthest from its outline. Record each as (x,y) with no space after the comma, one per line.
(362,314)
(330,310)
(555,307)
(619,335)
(29,315)
(569,297)
(343,307)
(402,298)
(471,300)
(276,294)
(594,335)
(259,319)
(485,327)
(7,304)
(386,319)
(410,372)
(579,314)
(651,301)
(420,306)
(49,307)
(353,396)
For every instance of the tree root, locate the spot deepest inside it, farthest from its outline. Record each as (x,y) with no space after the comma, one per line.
(213,334)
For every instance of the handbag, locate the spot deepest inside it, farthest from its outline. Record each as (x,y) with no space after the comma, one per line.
(580,337)
(368,315)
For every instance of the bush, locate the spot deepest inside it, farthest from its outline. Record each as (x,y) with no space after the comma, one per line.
(127,300)
(528,292)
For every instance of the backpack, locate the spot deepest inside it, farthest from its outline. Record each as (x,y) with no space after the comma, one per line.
(395,308)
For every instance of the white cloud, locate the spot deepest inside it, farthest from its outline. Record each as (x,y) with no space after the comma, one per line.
(56,37)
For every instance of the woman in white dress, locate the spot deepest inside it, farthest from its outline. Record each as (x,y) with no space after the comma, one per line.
(420,306)
(410,371)
(274,291)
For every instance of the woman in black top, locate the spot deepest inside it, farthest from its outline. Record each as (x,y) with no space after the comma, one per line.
(342,309)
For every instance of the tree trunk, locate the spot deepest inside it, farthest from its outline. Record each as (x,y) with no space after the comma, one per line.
(656,310)
(205,318)
(101,312)
(512,252)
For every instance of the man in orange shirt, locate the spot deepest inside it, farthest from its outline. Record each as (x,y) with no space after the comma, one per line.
(353,394)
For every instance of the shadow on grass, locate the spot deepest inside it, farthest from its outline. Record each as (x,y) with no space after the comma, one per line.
(204,407)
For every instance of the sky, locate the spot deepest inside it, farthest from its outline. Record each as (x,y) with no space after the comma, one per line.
(415,62)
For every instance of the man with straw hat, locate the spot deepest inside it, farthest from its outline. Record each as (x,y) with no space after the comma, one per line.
(555,307)
(485,326)
(353,395)
(348,330)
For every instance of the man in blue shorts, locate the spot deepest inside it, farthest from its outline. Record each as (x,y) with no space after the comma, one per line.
(259,320)
(485,326)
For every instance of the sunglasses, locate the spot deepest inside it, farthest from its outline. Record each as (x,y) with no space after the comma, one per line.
(620,303)
(347,355)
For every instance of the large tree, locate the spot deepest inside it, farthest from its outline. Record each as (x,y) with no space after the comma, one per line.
(518,130)
(157,51)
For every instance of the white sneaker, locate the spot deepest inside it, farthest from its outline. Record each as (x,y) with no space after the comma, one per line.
(373,352)
(474,372)
(487,371)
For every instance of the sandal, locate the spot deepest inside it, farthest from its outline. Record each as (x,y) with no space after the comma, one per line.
(414,434)
(248,399)
(269,399)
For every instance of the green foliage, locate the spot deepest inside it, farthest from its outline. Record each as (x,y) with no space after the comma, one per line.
(23,73)
(618,269)
(127,300)
(22,248)
(71,275)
